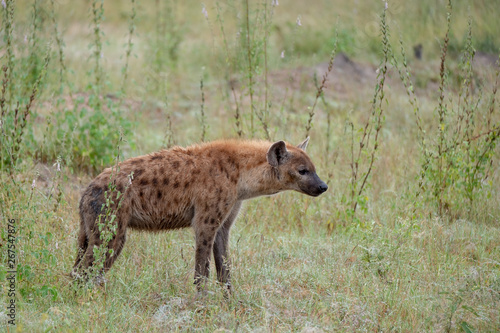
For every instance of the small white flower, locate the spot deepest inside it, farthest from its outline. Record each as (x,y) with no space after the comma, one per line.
(102,55)
(275,3)
(57,245)
(298,22)
(25,38)
(129,181)
(33,185)
(204,12)
(58,166)
(282,54)
(386,5)
(377,71)
(4,5)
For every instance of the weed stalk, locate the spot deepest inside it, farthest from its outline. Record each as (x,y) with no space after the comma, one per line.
(321,88)
(128,49)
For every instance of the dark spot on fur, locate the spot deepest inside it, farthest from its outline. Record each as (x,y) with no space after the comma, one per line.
(155,181)
(186,185)
(96,191)
(205,242)
(175,165)
(138,172)
(212,221)
(144,181)
(141,194)
(230,161)
(156,157)
(120,188)
(189,162)
(176,184)
(195,171)
(159,194)
(162,170)
(96,206)
(165,181)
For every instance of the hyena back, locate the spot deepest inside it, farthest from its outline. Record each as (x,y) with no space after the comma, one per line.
(201,186)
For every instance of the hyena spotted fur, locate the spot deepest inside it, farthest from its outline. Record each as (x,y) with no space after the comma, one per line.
(201,186)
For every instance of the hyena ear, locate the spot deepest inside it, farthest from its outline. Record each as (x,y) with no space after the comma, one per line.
(277,154)
(303,144)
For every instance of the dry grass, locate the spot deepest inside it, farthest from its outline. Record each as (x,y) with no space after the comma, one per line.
(298,263)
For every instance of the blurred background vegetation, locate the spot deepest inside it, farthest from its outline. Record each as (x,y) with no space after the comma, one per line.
(399,98)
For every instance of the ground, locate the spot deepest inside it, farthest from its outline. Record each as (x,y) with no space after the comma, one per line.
(301,264)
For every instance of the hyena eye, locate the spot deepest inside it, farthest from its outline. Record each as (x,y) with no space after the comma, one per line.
(303,172)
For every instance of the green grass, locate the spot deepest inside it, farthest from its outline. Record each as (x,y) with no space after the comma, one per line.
(299,264)
(289,274)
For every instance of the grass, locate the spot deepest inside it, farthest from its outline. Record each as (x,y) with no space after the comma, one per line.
(400,262)
(288,276)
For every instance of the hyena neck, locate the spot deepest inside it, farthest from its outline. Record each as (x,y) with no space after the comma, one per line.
(255,176)
(257,181)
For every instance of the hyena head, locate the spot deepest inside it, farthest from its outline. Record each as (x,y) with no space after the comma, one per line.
(294,168)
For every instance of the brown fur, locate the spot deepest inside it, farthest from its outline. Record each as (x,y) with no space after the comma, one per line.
(201,186)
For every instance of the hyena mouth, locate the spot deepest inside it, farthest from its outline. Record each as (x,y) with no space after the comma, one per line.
(316,190)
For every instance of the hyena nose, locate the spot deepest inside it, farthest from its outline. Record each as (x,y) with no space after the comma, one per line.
(323,187)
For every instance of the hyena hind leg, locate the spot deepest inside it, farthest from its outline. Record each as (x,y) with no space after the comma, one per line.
(85,262)
(83,243)
(220,248)
(85,267)
(116,244)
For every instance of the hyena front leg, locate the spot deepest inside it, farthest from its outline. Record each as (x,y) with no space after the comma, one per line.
(206,225)
(222,262)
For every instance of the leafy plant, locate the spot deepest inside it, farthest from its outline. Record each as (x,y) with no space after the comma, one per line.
(458,152)
(363,157)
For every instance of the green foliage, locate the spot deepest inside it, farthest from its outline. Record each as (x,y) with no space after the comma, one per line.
(457,153)
(363,158)
(88,134)
(247,59)
(321,43)
(358,258)
(163,46)
(84,133)
(487,44)
(22,78)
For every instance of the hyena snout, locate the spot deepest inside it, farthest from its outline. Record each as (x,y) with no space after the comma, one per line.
(322,187)
(315,186)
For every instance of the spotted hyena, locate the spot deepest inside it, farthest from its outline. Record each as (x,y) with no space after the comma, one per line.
(201,186)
